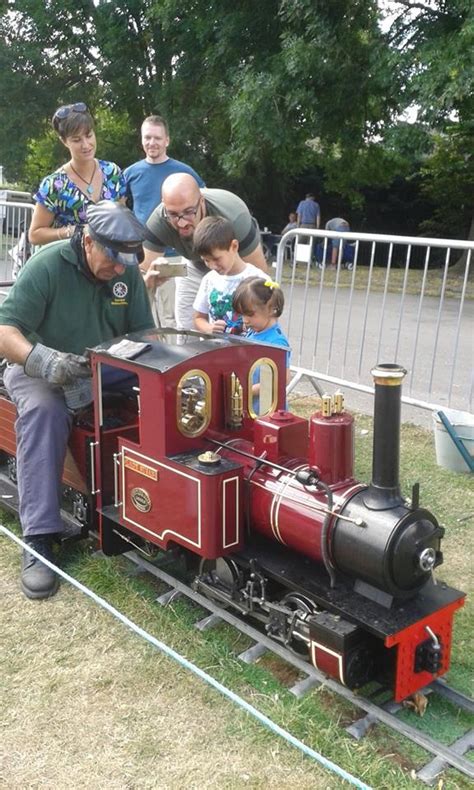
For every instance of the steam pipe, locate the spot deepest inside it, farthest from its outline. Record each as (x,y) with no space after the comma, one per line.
(384,490)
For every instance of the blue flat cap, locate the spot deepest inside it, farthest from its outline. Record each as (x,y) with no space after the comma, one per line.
(117,229)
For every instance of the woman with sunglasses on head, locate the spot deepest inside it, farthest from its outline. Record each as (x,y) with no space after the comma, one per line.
(63,196)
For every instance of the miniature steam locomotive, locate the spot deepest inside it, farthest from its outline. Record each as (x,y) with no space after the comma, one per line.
(201,457)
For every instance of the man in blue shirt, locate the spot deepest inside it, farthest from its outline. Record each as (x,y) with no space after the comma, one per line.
(144,180)
(309,215)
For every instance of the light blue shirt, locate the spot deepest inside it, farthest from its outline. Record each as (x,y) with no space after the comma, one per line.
(308,212)
(144,181)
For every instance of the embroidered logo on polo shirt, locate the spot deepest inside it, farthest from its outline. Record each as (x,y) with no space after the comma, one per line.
(120,290)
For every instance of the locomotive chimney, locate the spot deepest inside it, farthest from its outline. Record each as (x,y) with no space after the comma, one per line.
(384,490)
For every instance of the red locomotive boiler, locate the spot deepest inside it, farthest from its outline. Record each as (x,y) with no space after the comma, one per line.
(201,457)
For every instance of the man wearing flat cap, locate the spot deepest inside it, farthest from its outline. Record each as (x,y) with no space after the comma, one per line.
(72,295)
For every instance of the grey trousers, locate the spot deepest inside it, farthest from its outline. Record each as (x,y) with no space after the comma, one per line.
(163,305)
(186,292)
(42,432)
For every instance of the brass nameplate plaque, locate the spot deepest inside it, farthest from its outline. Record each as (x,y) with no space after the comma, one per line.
(141,469)
(141,499)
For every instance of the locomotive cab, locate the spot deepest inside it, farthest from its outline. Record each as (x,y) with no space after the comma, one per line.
(169,487)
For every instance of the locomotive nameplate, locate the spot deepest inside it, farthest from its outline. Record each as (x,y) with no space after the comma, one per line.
(141,499)
(142,469)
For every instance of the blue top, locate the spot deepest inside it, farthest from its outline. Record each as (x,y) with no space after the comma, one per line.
(275,336)
(144,181)
(308,211)
(63,198)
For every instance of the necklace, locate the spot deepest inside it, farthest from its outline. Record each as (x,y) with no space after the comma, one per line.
(90,188)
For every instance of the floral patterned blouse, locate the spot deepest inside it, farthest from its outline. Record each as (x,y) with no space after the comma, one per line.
(58,194)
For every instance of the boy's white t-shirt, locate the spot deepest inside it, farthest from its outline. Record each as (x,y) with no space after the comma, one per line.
(215,296)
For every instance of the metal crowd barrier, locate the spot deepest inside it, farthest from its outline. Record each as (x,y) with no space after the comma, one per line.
(340,324)
(15,218)
(340,327)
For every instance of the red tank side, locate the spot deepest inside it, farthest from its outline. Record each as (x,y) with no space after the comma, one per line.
(283,511)
(331,447)
(281,435)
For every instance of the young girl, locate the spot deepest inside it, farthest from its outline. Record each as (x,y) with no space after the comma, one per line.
(260,303)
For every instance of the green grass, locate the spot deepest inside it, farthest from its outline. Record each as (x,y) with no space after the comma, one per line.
(413,285)
(383,759)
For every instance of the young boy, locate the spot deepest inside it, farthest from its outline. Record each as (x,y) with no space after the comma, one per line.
(214,241)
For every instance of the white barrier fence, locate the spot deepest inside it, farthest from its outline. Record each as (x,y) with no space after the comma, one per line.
(340,323)
(15,218)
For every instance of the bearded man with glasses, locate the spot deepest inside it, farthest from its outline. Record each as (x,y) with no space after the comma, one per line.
(173,223)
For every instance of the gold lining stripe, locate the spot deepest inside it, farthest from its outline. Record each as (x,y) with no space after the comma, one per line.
(315,645)
(276,503)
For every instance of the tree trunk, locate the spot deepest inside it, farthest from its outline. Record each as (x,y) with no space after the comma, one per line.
(460,264)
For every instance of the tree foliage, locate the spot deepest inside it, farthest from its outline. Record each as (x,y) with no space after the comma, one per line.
(259,96)
(448,181)
(437,41)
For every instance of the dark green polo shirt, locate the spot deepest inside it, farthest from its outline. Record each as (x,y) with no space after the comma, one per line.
(54,301)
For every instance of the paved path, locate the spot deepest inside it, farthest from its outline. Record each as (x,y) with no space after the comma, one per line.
(330,349)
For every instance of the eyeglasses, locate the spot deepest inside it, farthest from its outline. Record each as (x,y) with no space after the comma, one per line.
(63,112)
(188,214)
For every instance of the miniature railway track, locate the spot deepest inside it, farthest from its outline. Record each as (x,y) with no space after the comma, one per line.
(385,713)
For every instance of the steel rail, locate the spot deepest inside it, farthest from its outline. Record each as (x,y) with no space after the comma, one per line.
(365,388)
(425,741)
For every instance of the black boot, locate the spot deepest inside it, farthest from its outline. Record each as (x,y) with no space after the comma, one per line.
(37,580)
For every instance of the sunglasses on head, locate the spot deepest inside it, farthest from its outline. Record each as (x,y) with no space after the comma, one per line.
(63,112)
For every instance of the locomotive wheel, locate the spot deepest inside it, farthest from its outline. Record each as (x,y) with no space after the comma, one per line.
(221,573)
(302,607)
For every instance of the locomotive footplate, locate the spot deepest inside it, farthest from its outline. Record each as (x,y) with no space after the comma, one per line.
(304,576)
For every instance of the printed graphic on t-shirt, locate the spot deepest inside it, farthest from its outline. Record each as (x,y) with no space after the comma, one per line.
(220,308)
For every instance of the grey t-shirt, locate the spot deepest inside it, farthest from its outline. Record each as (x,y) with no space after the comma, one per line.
(219,203)
(338,223)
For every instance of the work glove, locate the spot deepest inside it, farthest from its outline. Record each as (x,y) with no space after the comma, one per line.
(79,394)
(57,367)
